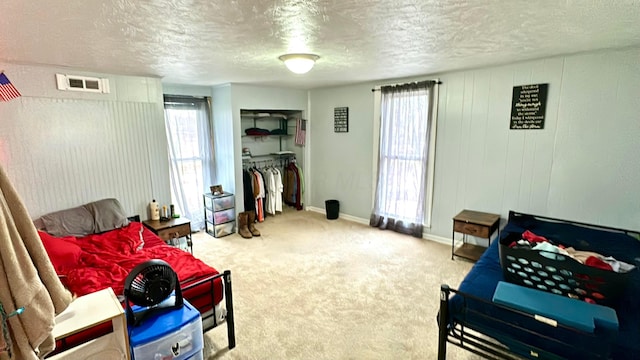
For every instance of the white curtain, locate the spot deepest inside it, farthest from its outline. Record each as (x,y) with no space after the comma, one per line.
(189,133)
(406,115)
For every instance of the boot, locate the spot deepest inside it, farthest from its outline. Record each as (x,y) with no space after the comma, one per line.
(251,222)
(243,230)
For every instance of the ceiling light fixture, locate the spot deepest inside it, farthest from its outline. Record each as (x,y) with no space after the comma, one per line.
(299,63)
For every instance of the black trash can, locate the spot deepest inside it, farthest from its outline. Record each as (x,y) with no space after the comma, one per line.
(333,209)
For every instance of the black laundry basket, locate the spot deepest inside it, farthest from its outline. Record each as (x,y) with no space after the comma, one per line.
(333,209)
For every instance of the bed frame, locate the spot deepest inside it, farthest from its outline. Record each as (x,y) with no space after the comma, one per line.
(228,299)
(479,344)
(459,334)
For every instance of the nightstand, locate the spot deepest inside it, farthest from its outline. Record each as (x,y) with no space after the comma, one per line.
(474,223)
(172,231)
(89,311)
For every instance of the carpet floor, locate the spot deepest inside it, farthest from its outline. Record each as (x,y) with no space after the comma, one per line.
(312,288)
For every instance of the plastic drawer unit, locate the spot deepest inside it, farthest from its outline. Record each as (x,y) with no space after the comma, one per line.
(175,334)
(220,214)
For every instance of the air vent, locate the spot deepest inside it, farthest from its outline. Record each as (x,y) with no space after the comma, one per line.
(82,83)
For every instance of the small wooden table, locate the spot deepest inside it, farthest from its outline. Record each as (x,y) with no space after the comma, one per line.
(87,312)
(475,223)
(172,230)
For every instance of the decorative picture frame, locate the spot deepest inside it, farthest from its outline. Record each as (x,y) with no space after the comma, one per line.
(341,119)
(216,189)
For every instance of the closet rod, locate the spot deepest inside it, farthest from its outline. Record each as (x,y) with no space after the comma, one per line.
(377,88)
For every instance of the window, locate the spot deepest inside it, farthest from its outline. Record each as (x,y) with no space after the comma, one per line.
(403,188)
(188,127)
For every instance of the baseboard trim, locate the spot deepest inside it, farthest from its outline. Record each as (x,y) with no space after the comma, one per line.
(315,209)
(341,215)
(436,238)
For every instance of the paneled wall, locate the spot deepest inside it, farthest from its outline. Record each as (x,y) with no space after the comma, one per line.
(62,149)
(582,165)
(480,163)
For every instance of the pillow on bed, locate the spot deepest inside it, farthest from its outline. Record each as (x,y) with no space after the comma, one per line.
(63,252)
(76,221)
(107,214)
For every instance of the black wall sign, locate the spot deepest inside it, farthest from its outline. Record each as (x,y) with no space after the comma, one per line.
(341,119)
(528,106)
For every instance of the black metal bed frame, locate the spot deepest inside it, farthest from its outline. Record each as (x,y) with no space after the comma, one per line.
(460,334)
(228,298)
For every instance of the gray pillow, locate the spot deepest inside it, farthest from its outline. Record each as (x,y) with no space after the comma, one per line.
(39,224)
(108,214)
(76,221)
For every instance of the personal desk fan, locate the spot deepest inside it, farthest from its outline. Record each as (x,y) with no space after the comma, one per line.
(148,285)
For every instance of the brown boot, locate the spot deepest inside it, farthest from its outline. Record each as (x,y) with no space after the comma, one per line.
(251,222)
(243,230)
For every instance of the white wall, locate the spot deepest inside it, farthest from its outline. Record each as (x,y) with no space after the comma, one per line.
(341,163)
(187,90)
(63,148)
(224,141)
(581,166)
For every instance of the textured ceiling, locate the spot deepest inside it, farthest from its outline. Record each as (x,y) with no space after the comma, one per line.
(207,42)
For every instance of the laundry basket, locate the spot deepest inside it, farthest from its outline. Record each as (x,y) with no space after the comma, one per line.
(559,274)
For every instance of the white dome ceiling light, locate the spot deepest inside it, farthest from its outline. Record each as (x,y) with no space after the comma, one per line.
(299,63)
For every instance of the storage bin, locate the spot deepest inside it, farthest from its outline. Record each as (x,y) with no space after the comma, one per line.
(219,214)
(559,274)
(175,334)
(220,217)
(222,229)
(224,202)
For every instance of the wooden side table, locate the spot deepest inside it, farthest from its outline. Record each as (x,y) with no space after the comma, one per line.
(86,312)
(475,223)
(171,231)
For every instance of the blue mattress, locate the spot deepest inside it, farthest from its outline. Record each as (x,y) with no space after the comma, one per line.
(483,279)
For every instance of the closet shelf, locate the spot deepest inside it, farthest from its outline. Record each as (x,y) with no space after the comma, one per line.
(271,155)
(267,135)
(263,116)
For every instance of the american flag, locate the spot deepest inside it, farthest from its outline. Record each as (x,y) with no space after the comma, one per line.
(7,90)
(301,131)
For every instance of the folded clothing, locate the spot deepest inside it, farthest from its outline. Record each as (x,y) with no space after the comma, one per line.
(278,132)
(257,131)
(549,250)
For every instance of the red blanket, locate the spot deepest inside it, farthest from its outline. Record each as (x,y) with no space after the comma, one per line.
(104,260)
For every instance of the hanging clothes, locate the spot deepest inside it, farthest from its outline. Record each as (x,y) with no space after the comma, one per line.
(263,192)
(271,191)
(279,188)
(247,185)
(288,179)
(293,182)
(258,193)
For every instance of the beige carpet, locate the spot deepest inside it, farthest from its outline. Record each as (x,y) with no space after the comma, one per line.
(312,288)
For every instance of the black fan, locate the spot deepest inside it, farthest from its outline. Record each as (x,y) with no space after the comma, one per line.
(148,285)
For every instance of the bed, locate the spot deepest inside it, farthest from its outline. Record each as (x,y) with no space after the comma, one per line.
(95,246)
(470,319)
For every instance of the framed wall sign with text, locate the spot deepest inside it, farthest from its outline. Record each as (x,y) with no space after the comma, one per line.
(341,119)
(528,107)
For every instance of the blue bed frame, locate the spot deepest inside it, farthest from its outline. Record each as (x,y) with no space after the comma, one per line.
(468,318)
